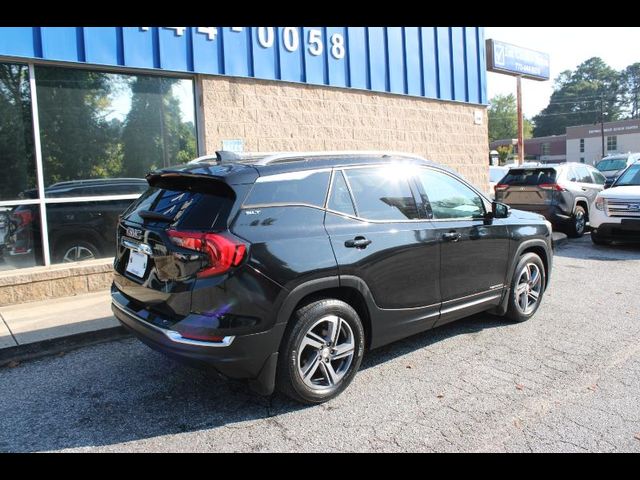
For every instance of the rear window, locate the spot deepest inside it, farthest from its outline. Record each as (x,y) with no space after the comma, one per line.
(302,187)
(612,164)
(529,176)
(198,208)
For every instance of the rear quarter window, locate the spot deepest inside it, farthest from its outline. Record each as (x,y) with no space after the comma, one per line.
(291,188)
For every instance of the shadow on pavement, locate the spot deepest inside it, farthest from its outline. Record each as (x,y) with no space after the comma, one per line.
(584,249)
(123,391)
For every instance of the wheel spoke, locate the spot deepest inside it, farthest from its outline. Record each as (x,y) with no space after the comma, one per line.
(343,350)
(334,332)
(534,295)
(312,340)
(311,369)
(523,301)
(329,373)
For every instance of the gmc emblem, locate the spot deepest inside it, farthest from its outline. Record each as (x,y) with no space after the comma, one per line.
(134,233)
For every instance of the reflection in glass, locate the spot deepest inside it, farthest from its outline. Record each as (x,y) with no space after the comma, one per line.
(20,237)
(17,159)
(83,230)
(104,125)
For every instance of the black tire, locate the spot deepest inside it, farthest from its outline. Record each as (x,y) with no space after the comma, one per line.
(63,250)
(597,240)
(289,379)
(578,223)
(514,313)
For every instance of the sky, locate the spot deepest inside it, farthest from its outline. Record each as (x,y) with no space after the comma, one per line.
(567,48)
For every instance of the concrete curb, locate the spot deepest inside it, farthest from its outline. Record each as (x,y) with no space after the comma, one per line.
(54,346)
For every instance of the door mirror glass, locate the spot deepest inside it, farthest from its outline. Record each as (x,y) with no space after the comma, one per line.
(500,210)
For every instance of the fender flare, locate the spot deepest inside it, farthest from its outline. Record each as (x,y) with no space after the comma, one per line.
(575,204)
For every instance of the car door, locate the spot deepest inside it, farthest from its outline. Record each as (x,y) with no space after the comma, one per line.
(379,235)
(474,249)
(587,184)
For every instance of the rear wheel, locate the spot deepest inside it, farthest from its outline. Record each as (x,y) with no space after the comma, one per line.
(72,250)
(321,352)
(578,223)
(527,288)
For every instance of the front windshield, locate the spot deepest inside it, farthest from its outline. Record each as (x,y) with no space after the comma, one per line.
(630,177)
(612,164)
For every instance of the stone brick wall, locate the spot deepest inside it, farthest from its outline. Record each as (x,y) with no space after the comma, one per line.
(41,283)
(276,116)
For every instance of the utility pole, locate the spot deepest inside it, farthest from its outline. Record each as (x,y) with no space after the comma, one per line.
(520,133)
(602,122)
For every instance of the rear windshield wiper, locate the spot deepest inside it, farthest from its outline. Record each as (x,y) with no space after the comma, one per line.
(149,215)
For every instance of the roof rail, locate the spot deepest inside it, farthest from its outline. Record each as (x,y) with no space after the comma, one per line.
(293,156)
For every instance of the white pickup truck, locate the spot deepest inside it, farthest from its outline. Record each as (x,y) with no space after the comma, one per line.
(615,215)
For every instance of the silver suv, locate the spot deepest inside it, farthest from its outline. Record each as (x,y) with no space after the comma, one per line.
(562,193)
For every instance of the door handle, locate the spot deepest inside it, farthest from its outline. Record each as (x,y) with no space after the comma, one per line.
(584,189)
(451,236)
(358,242)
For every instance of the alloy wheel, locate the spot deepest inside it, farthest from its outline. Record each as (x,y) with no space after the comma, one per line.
(326,353)
(580,222)
(528,288)
(77,253)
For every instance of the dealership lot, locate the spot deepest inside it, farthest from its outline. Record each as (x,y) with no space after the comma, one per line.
(567,380)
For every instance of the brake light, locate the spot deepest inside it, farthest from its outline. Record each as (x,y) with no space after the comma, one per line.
(552,186)
(501,186)
(222,251)
(24,217)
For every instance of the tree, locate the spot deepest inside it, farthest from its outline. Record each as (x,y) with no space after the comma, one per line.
(503,119)
(631,85)
(154,135)
(578,97)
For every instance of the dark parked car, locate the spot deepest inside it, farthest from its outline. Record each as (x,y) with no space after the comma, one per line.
(284,269)
(77,231)
(562,193)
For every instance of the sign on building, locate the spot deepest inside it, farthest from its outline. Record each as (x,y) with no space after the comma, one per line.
(512,60)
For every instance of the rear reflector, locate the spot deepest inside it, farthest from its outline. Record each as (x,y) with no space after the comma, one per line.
(222,251)
(201,337)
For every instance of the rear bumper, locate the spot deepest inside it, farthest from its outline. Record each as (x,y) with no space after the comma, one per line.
(239,357)
(620,232)
(552,213)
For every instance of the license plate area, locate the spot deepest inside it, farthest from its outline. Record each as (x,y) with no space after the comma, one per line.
(137,264)
(631,224)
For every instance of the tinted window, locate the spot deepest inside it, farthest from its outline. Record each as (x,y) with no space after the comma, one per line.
(187,209)
(340,198)
(382,193)
(582,174)
(306,187)
(538,176)
(448,197)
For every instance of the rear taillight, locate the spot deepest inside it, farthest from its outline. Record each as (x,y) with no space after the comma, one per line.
(23,217)
(501,186)
(222,251)
(552,186)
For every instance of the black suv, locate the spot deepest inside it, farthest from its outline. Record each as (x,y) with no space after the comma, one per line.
(284,269)
(562,193)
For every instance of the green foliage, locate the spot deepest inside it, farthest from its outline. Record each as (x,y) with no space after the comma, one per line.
(503,153)
(503,119)
(577,96)
(631,83)
(17,157)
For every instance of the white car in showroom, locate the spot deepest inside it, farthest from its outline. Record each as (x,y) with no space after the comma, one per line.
(616,212)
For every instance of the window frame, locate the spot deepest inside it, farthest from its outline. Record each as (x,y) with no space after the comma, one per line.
(612,140)
(43,201)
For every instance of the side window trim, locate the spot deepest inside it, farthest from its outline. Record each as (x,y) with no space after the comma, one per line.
(332,180)
(353,199)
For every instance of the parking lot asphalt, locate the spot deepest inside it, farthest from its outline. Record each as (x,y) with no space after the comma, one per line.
(567,380)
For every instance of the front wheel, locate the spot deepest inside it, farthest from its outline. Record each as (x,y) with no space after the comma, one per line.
(72,250)
(527,288)
(321,352)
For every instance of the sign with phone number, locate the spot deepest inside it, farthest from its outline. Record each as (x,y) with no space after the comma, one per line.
(446,63)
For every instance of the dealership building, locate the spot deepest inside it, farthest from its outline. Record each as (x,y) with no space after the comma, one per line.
(86,112)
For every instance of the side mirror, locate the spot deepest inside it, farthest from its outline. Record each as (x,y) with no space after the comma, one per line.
(608,182)
(500,210)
